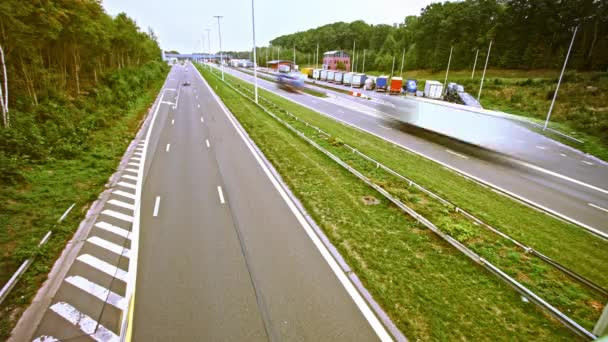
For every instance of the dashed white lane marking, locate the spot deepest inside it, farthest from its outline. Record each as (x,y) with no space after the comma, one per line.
(113,229)
(85,323)
(221,194)
(198,105)
(541,147)
(598,207)
(457,154)
(97,291)
(384,127)
(172,121)
(121,204)
(129,177)
(207,142)
(202,120)
(586,162)
(156,206)
(118,215)
(558,175)
(127,185)
(563,155)
(123,194)
(103,267)
(110,246)
(168,147)
(167,102)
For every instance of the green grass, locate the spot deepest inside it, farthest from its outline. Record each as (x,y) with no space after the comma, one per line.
(430,290)
(569,296)
(31,208)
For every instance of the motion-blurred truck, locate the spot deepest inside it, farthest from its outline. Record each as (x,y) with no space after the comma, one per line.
(290,82)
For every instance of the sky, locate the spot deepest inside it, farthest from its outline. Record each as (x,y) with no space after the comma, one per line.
(180,24)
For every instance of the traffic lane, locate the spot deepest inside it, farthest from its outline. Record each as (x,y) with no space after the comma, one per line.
(511,137)
(303,298)
(563,194)
(192,283)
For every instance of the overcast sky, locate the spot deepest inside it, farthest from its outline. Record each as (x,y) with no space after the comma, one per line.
(180,24)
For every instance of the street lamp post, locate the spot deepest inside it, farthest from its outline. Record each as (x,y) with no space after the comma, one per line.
(363,71)
(560,79)
(219,32)
(209,46)
(445,86)
(483,76)
(402,61)
(255,69)
(475,64)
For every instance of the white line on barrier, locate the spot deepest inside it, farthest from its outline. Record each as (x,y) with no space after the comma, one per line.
(156,206)
(172,122)
(168,147)
(598,207)
(97,291)
(85,323)
(221,194)
(67,211)
(344,280)
(456,154)
(118,215)
(103,266)
(207,142)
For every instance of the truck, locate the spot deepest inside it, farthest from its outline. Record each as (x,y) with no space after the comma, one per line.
(358,80)
(284,68)
(307,71)
(348,78)
(396,84)
(338,77)
(381,83)
(330,75)
(370,83)
(433,89)
(324,75)
(291,82)
(316,74)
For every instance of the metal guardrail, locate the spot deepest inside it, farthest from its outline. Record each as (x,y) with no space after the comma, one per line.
(10,284)
(551,310)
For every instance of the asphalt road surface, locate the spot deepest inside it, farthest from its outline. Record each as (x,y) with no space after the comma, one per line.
(222,256)
(584,202)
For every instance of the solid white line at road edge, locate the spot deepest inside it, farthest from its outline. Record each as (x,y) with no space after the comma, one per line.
(221,194)
(344,280)
(156,206)
(598,207)
(456,169)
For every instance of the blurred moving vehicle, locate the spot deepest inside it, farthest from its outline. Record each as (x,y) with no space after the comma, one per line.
(290,82)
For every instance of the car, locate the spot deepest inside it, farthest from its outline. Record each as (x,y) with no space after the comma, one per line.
(185,84)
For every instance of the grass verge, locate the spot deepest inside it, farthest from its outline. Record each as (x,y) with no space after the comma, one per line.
(430,290)
(31,208)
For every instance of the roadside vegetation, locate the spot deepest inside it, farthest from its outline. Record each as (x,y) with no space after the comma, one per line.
(429,289)
(79,84)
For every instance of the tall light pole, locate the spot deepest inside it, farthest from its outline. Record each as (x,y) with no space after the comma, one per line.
(363,71)
(475,64)
(317,57)
(402,61)
(560,78)
(219,32)
(483,76)
(393,67)
(209,46)
(352,64)
(294,56)
(445,86)
(255,69)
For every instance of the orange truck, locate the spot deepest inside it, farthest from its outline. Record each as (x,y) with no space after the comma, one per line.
(396,85)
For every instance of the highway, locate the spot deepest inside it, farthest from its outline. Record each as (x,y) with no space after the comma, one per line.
(223,256)
(580,202)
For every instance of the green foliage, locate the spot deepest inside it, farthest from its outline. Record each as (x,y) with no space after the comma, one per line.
(527,34)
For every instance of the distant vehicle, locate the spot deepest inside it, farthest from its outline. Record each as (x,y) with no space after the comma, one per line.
(370,83)
(307,71)
(381,83)
(396,84)
(290,82)
(348,78)
(330,75)
(316,74)
(185,84)
(433,89)
(284,68)
(324,75)
(358,80)
(338,76)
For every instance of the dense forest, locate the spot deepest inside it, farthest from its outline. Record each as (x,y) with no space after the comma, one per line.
(68,67)
(526,34)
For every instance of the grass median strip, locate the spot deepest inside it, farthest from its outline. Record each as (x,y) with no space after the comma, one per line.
(430,290)
(566,243)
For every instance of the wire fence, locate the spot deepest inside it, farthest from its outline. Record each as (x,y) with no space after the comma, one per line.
(544,305)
